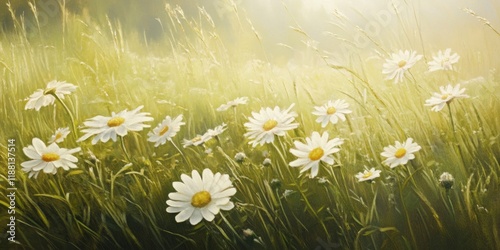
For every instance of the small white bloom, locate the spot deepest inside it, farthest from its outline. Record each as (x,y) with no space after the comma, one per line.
(448,93)
(233,103)
(263,126)
(107,127)
(322,180)
(267,162)
(368,175)
(44,97)
(200,197)
(248,233)
(217,130)
(47,158)
(166,130)
(401,153)
(443,61)
(399,63)
(197,140)
(317,148)
(59,135)
(331,112)
(288,192)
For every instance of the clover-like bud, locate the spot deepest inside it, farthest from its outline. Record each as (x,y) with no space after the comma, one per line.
(446,180)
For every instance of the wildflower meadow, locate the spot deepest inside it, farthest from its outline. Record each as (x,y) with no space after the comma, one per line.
(219,134)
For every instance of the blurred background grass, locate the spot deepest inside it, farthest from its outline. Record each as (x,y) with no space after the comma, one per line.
(188,60)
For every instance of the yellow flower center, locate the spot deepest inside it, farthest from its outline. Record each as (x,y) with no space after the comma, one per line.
(270,124)
(164,130)
(443,97)
(400,153)
(401,63)
(316,154)
(445,61)
(58,136)
(331,110)
(201,199)
(48,157)
(197,138)
(116,121)
(367,175)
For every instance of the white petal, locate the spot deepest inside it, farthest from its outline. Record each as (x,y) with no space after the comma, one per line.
(184,214)
(207,215)
(195,217)
(226,193)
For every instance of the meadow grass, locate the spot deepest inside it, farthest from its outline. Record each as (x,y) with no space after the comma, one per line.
(113,202)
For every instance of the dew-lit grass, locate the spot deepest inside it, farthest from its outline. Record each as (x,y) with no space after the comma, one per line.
(118,200)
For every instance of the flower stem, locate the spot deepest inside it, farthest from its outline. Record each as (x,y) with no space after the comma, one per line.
(297,184)
(232,229)
(451,119)
(69,113)
(450,203)
(180,152)
(122,142)
(282,157)
(219,141)
(347,197)
(235,115)
(455,136)
(407,216)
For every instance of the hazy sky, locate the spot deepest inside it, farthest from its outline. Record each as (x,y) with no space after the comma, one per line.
(333,25)
(441,23)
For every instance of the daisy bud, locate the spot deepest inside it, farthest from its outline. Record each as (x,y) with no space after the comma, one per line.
(248,234)
(267,162)
(446,180)
(287,193)
(275,183)
(240,157)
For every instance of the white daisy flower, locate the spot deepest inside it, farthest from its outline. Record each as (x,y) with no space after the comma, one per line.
(59,135)
(317,148)
(396,66)
(47,158)
(401,153)
(448,93)
(200,139)
(197,140)
(166,130)
(368,175)
(443,61)
(107,127)
(269,122)
(233,103)
(200,197)
(217,130)
(332,111)
(44,97)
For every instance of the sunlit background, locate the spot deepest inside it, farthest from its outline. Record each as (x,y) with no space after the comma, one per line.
(342,28)
(187,57)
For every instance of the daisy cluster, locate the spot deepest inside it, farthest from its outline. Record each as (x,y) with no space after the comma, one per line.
(202,196)
(399,63)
